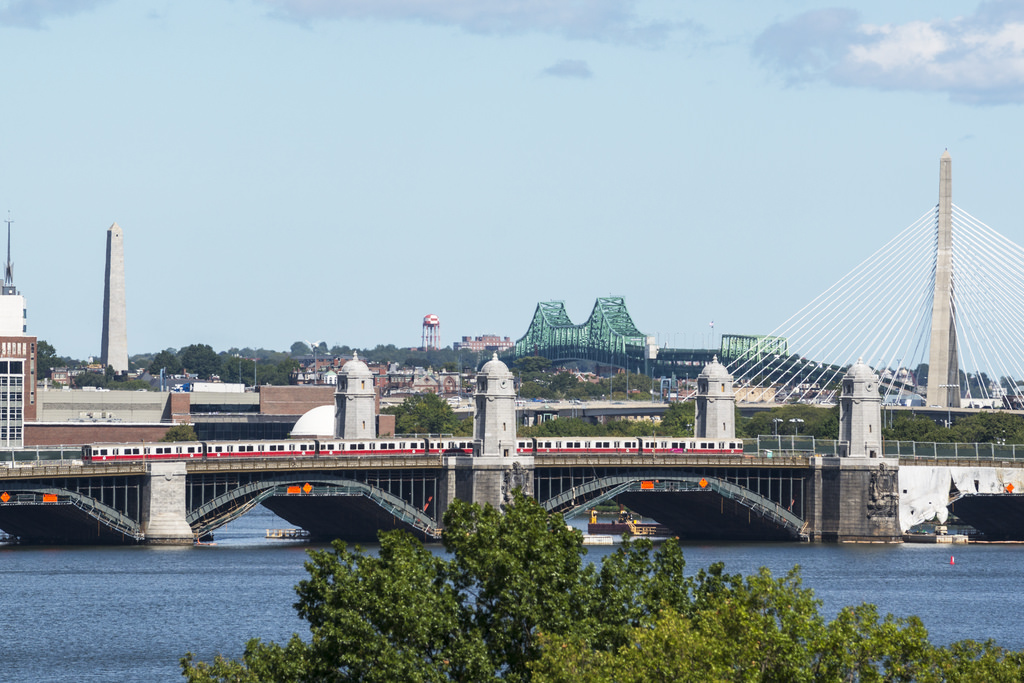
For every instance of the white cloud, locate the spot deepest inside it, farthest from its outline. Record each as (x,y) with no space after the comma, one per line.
(977,59)
(569,68)
(600,20)
(34,13)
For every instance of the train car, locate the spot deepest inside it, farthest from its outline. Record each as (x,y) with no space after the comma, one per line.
(358,447)
(178,450)
(284,448)
(580,445)
(450,445)
(696,446)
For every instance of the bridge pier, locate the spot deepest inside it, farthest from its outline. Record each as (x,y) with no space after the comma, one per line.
(163,505)
(491,474)
(855,496)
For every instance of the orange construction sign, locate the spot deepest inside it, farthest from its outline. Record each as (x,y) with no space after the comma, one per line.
(647,485)
(49,497)
(1009,488)
(703,483)
(5,496)
(293,490)
(307,488)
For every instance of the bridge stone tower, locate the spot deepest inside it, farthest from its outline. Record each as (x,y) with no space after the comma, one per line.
(494,471)
(943,367)
(854,497)
(355,402)
(715,414)
(860,414)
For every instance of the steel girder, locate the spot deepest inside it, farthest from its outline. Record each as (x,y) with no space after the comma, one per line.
(608,336)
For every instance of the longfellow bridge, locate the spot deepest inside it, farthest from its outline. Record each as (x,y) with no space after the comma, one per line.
(768,493)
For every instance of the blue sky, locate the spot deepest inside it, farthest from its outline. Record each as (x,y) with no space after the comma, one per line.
(336,170)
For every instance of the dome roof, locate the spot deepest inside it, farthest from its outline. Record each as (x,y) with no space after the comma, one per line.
(715,370)
(316,422)
(495,367)
(860,370)
(355,367)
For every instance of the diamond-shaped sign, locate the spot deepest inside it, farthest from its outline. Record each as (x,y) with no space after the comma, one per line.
(307,488)
(5,496)
(703,483)
(1009,488)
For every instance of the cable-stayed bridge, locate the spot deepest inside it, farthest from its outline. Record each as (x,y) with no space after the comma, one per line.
(936,311)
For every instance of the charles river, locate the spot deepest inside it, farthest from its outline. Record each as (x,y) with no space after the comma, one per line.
(119,614)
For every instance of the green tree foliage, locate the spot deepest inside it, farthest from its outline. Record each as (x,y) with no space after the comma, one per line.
(180,432)
(512,599)
(982,427)
(200,360)
(300,348)
(817,421)
(530,364)
(427,414)
(679,419)
(167,360)
(46,358)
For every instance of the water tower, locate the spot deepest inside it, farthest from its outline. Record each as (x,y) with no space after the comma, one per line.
(431,332)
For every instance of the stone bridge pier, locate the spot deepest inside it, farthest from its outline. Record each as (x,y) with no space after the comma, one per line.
(162,515)
(493,472)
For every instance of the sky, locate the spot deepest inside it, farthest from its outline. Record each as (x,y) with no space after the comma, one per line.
(334,171)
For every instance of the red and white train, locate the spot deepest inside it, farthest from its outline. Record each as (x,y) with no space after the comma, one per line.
(339,448)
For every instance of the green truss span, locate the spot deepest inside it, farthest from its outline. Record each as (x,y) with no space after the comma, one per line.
(608,337)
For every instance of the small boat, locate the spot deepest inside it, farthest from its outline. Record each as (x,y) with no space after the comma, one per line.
(626,524)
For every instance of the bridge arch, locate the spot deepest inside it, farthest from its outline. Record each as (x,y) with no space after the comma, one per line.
(234,503)
(32,512)
(576,500)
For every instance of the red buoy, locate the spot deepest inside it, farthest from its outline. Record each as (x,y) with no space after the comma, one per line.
(951,560)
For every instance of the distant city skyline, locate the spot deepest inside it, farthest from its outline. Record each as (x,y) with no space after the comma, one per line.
(308,170)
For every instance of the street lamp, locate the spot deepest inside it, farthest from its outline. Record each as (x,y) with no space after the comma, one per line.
(949,418)
(775,425)
(796,425)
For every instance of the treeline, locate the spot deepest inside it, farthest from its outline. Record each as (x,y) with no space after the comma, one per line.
(512,598)
(537,381)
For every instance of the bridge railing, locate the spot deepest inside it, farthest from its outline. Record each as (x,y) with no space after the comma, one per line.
(952,451)
(10,458)
(925,450)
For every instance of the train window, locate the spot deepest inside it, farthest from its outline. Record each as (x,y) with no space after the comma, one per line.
(230,449)
(103,451)
(362,446)
(401,444)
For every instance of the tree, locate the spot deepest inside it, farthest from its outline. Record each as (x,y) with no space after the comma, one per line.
(200,360)
(180,432)
(679,419)
(532,364)
(166,360)
(300,348)
(512,599)
(46,359)
(427,414)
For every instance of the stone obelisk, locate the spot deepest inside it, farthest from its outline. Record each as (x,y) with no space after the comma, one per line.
(115,321)
(943,368)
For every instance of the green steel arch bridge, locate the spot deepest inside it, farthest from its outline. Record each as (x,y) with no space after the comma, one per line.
(610,338)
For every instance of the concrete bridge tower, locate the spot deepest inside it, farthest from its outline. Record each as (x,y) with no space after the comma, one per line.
(860,414)
(494,471)
(715,414)
(355,402)
(943,368)
(854,497)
